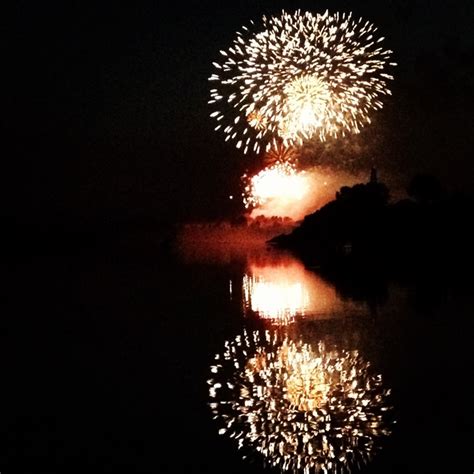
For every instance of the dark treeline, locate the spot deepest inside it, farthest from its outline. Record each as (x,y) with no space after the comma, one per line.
(361,228)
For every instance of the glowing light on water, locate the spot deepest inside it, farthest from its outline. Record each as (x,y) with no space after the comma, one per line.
(277,292)
(282,290)
(276,300)
(302,407)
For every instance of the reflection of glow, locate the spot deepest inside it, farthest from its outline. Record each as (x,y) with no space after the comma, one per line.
(275,299)
(280,291)
(303,408)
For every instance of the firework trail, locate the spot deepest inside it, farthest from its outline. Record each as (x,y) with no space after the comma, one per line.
(299,76)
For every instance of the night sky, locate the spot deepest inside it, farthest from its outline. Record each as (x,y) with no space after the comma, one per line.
(105,104)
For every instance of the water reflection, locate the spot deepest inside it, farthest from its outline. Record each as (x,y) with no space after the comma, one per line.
(275,285)
(279,288)
(276,292)
(304,407)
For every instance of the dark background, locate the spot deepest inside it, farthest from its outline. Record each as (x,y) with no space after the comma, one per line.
(106,341)
(104,105)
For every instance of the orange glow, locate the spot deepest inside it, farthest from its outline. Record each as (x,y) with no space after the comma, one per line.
(284,191)
(280,185)
(222,243)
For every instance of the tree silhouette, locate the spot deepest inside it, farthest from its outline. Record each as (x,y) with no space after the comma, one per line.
(425,188)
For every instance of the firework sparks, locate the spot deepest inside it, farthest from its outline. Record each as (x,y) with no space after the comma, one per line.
(280,154)
(303,408)
(299,76)
(307,100)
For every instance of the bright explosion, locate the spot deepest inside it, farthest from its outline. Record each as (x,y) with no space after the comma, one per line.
(283,190)
(299,76)
(280,181)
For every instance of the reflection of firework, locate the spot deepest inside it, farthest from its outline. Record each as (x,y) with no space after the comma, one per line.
(279,181)
(299,76)
(303,408)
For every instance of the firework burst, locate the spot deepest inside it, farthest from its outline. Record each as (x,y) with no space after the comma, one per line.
(304,408)
(281,154)
(299,76)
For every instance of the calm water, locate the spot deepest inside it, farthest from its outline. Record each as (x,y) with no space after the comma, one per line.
(132,360)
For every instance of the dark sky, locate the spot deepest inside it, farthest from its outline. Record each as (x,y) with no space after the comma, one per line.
(105,104)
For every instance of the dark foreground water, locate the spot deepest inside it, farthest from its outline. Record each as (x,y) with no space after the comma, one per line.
(132,359)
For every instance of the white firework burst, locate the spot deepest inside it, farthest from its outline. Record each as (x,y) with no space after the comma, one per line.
(297,77)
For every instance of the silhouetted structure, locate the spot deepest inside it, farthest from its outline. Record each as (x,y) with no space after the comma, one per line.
(373,175)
